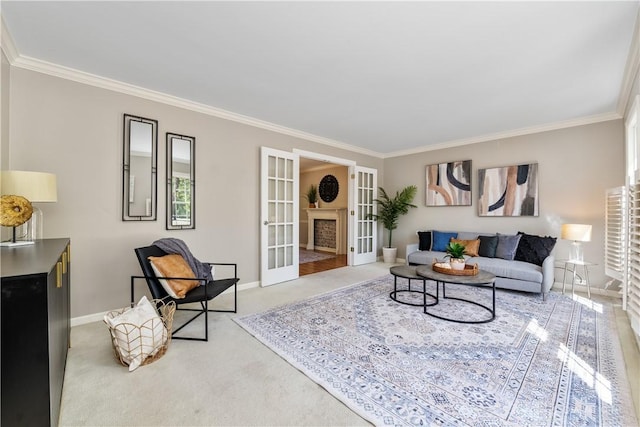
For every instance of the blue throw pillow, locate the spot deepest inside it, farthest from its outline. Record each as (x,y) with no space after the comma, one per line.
(507,246)
(440,240)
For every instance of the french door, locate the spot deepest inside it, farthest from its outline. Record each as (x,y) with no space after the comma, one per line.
(279,194)
(364,228)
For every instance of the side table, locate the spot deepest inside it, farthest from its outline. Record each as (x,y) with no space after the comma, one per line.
(482,279)
(409,273)
(574,264)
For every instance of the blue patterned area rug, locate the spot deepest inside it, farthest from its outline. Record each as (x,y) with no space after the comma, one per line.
(553,363)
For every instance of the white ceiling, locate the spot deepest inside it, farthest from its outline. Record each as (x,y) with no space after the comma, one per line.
(386,77)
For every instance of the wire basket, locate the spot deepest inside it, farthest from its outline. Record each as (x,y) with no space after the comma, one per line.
(145,343)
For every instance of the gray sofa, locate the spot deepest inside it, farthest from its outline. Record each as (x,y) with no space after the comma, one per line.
(510,274)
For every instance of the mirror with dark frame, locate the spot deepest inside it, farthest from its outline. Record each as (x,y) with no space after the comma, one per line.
(139,169)
(181,182)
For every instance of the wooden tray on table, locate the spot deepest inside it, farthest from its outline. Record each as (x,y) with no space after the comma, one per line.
(469,270)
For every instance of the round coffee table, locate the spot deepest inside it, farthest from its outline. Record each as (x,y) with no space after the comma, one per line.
(409,273)
(483,278)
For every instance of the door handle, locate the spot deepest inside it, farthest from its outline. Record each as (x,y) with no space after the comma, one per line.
(266,223)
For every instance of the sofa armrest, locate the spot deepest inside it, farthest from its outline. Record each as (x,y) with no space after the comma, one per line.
(548,273)
(411,248)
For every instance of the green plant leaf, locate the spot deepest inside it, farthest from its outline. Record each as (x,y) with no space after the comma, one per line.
(391,208)
(455,250)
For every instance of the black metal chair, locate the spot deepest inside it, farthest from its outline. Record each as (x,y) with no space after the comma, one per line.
(201,294)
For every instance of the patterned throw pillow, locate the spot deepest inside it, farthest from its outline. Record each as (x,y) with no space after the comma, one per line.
(507,246)
(424,238)
(534,249)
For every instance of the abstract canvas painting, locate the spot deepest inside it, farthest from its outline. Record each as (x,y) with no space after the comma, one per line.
(508,191)
(449,184)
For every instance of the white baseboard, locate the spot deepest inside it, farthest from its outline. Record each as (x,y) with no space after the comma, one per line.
(89,318)
(97,317)
(557,286)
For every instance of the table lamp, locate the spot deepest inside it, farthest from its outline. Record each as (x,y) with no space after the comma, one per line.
(35,187)
(578,233)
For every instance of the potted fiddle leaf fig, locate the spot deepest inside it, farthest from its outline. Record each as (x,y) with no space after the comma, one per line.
(456,252)
(312,196)
(389,211)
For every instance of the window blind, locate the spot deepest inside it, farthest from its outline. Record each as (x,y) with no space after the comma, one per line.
(632,291)
(615,233)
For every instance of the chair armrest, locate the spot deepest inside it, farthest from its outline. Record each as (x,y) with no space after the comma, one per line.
(133,279)
(169,278)
(228,264)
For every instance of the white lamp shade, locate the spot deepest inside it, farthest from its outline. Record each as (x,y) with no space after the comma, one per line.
(576,232)
(33,186)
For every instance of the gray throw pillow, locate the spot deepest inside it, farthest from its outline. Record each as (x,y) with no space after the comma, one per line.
(488,246)
(507,246)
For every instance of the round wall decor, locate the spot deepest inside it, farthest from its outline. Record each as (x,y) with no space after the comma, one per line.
(328,188)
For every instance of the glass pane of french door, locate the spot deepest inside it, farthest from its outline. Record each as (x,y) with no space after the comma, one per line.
(279,216)
(364,227)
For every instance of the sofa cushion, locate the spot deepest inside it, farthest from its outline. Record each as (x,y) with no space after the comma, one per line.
(425,240)
(467,235)
(440,240)
(425,257)
(518,270)
(470,246)
(488,245)
(534,249)
(507,246)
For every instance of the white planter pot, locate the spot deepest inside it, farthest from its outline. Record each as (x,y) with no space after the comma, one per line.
(389,255)
(457,264)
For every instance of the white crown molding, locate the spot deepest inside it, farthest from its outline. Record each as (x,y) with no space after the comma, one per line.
(6,42)
(631,69)
(509,134)
(40,66)
(324,157)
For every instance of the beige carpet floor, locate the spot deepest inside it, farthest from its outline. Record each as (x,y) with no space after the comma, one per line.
(231,380)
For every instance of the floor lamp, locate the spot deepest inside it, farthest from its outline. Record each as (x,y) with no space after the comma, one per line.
(36,187)
(578,233)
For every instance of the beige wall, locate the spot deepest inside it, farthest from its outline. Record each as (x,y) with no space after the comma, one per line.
(5,79)
(576,166)
(314,176)
(4,111)
(75,131)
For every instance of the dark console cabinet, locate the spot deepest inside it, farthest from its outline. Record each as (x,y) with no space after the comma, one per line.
(35,331)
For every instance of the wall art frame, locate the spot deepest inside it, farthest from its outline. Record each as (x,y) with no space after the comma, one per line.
(508,191)
(449,184)
(139,168)
(328,188)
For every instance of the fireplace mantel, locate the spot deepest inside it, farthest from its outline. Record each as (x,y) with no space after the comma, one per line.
(337,214)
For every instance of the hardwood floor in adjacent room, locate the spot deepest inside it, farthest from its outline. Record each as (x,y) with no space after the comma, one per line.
(326,264)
